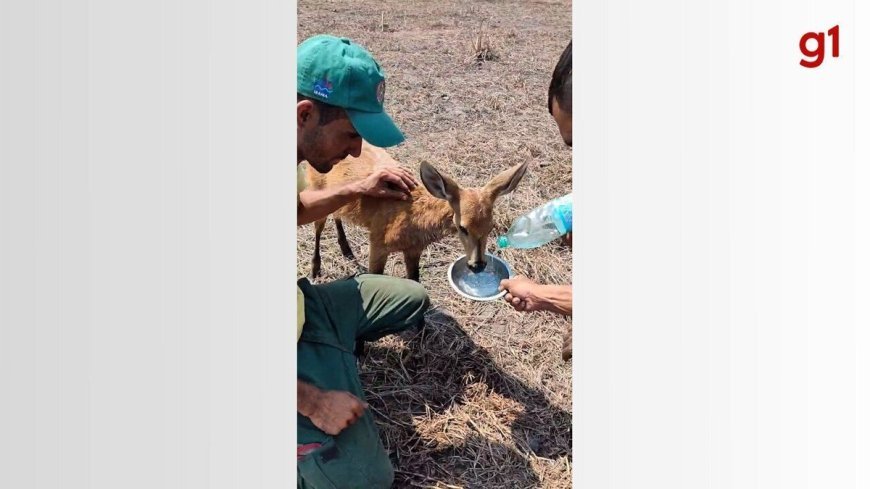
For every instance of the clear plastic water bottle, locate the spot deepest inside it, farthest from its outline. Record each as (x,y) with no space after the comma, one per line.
(540,226)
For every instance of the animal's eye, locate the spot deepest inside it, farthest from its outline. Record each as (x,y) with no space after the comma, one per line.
(463,230)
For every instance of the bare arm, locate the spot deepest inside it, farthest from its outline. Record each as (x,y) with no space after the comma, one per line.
(317,204)
(557,298)
(394,183)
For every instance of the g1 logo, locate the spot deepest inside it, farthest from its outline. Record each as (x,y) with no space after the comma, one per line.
(817,56)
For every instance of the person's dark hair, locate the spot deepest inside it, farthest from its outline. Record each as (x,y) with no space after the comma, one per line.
(560,85)
(328,113)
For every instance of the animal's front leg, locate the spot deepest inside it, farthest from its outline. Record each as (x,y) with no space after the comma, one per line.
(377,258)
(412,264)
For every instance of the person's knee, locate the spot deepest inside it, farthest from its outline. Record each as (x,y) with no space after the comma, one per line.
(411,301)
(408,295)
(396,304)
(418,300)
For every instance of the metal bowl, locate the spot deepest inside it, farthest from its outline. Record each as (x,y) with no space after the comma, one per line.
(481,285)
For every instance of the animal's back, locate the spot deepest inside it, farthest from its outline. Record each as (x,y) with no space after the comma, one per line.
(366,211)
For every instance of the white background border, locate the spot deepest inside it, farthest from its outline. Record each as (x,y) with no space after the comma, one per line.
(146,261)
(722,279)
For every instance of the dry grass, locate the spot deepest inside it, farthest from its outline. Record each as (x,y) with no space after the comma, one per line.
(479,397)
(481,48)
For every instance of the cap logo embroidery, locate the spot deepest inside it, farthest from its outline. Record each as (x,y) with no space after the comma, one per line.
(380,92)
(323,88)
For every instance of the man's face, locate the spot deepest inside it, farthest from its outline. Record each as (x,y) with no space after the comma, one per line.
(324,145)
(563,120)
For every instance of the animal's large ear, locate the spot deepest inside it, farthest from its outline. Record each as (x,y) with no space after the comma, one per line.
(506,181)
(439,185)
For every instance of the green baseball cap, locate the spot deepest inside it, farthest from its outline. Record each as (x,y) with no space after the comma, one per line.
(339,72)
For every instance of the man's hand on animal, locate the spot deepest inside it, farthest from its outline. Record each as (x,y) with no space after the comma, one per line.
(317,203)
(392,182)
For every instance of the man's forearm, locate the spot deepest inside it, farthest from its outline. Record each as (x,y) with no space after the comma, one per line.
(307,397)
(558,298)
(317,204)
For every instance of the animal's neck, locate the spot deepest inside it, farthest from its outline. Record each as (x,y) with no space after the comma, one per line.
(437,215)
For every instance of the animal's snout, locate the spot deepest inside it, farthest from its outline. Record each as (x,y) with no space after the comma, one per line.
(476,266)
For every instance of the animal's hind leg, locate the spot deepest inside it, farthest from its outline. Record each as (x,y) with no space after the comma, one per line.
(342,240)
(315,260)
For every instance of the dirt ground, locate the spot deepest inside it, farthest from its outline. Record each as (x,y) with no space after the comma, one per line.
(479,397)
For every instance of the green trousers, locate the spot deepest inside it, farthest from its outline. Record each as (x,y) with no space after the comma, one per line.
(337,314)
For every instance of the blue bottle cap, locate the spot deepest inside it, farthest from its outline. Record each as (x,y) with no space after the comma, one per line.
(502,242)
(562,215)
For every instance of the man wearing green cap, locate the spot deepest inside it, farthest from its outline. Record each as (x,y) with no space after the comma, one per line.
(340,96)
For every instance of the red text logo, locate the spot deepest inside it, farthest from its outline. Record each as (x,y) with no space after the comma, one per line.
(813,46)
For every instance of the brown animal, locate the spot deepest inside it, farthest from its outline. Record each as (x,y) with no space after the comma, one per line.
(410,226)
